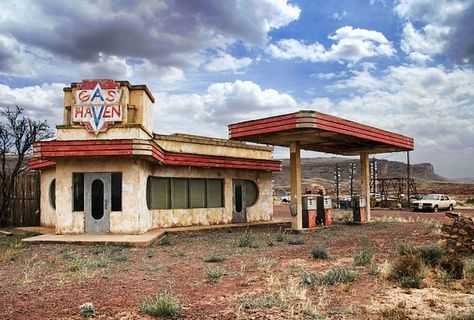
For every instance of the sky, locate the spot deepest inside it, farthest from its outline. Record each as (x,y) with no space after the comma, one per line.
(404,66)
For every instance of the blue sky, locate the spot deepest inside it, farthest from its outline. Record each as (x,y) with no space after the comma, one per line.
(404,66)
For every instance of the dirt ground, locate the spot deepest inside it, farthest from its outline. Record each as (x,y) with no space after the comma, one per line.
(260,281)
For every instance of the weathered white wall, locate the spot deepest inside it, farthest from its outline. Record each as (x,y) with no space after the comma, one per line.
(47,212)
(262,210)
(212,146)
(133,219)
(77,132)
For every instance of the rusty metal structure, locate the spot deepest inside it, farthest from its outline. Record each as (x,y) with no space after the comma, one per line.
(393,188)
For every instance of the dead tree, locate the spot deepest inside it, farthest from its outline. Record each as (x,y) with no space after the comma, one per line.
(17,135)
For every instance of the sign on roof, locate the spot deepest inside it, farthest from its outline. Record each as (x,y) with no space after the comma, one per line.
(97,104)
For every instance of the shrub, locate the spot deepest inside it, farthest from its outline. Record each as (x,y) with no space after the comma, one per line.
(215,274)
(166,240)
(405,249)
(87,310)
(430,254)
(163,304)
(295,242)
(341,275)
(214,258)
(280,237)
(309,278)
(364,257)
(247,240)
(263,302)
(469,269)
(319,252)
(97,249)
(408,271)
(396,313)
(453,266)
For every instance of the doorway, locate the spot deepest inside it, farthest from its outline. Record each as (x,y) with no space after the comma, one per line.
(239,212)
(97,202)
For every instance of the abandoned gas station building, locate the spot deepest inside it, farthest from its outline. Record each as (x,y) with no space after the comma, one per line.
(108,172)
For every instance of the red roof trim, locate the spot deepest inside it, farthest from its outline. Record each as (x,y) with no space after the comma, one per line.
(44,151)
(317,120)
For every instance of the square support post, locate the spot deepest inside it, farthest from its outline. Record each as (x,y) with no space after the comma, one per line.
(365,183)
(295,182)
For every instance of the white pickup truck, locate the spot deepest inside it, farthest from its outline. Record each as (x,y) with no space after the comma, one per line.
(433,202)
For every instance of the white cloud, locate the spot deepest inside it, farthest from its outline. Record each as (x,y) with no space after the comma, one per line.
(43,102)
(350,45)
(225,62)
(222,104)
(438,22)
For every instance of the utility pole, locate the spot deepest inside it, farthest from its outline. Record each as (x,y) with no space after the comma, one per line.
(337,176)
(408,178)
(374,175)
(351,177)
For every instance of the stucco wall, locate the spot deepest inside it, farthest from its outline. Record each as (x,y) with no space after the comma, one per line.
(262,210)
(133,219)
(78,132)
(47,212)
(214,150)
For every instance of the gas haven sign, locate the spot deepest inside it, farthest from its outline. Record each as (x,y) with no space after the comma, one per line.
(97,104)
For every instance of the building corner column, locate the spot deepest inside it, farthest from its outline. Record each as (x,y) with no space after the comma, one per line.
(365,183)
(295,183)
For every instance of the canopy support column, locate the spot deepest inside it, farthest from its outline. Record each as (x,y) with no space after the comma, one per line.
(365,183)
(295,182)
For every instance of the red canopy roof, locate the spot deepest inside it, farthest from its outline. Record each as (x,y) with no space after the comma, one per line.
(317,131)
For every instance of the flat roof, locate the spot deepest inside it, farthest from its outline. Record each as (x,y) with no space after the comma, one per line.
(321,132)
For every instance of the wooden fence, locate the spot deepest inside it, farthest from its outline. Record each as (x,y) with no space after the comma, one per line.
(26,201)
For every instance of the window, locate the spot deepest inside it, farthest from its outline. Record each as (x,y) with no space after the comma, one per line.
(78,190)
(215,193)
(52,194)
(116,191)
(197,193)
(251,193)
(184,193)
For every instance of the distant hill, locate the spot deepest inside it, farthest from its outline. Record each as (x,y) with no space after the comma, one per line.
(321,170)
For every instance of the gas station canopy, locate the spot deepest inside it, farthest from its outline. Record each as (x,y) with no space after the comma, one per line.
(317,131)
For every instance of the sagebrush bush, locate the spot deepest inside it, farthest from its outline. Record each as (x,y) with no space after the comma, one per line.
(247,240)
(430,254)
(87,310)
(341,275)
(453,266)
(469,269)
(166,240)
(364,256)
(469,315)
(408,271)
(295,242)
(163,304)
(320,252)
(214,258)
(215,274)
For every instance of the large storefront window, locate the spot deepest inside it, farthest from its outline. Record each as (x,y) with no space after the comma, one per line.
(184,193)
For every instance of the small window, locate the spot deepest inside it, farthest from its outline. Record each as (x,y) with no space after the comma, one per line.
(215,193)
(52,194)
(116,191)
(179,193)
(158,193)
(197,193)
(251,193)
(78,191)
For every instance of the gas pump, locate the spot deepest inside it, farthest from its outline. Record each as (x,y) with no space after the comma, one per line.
(309,210)
(359,212)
